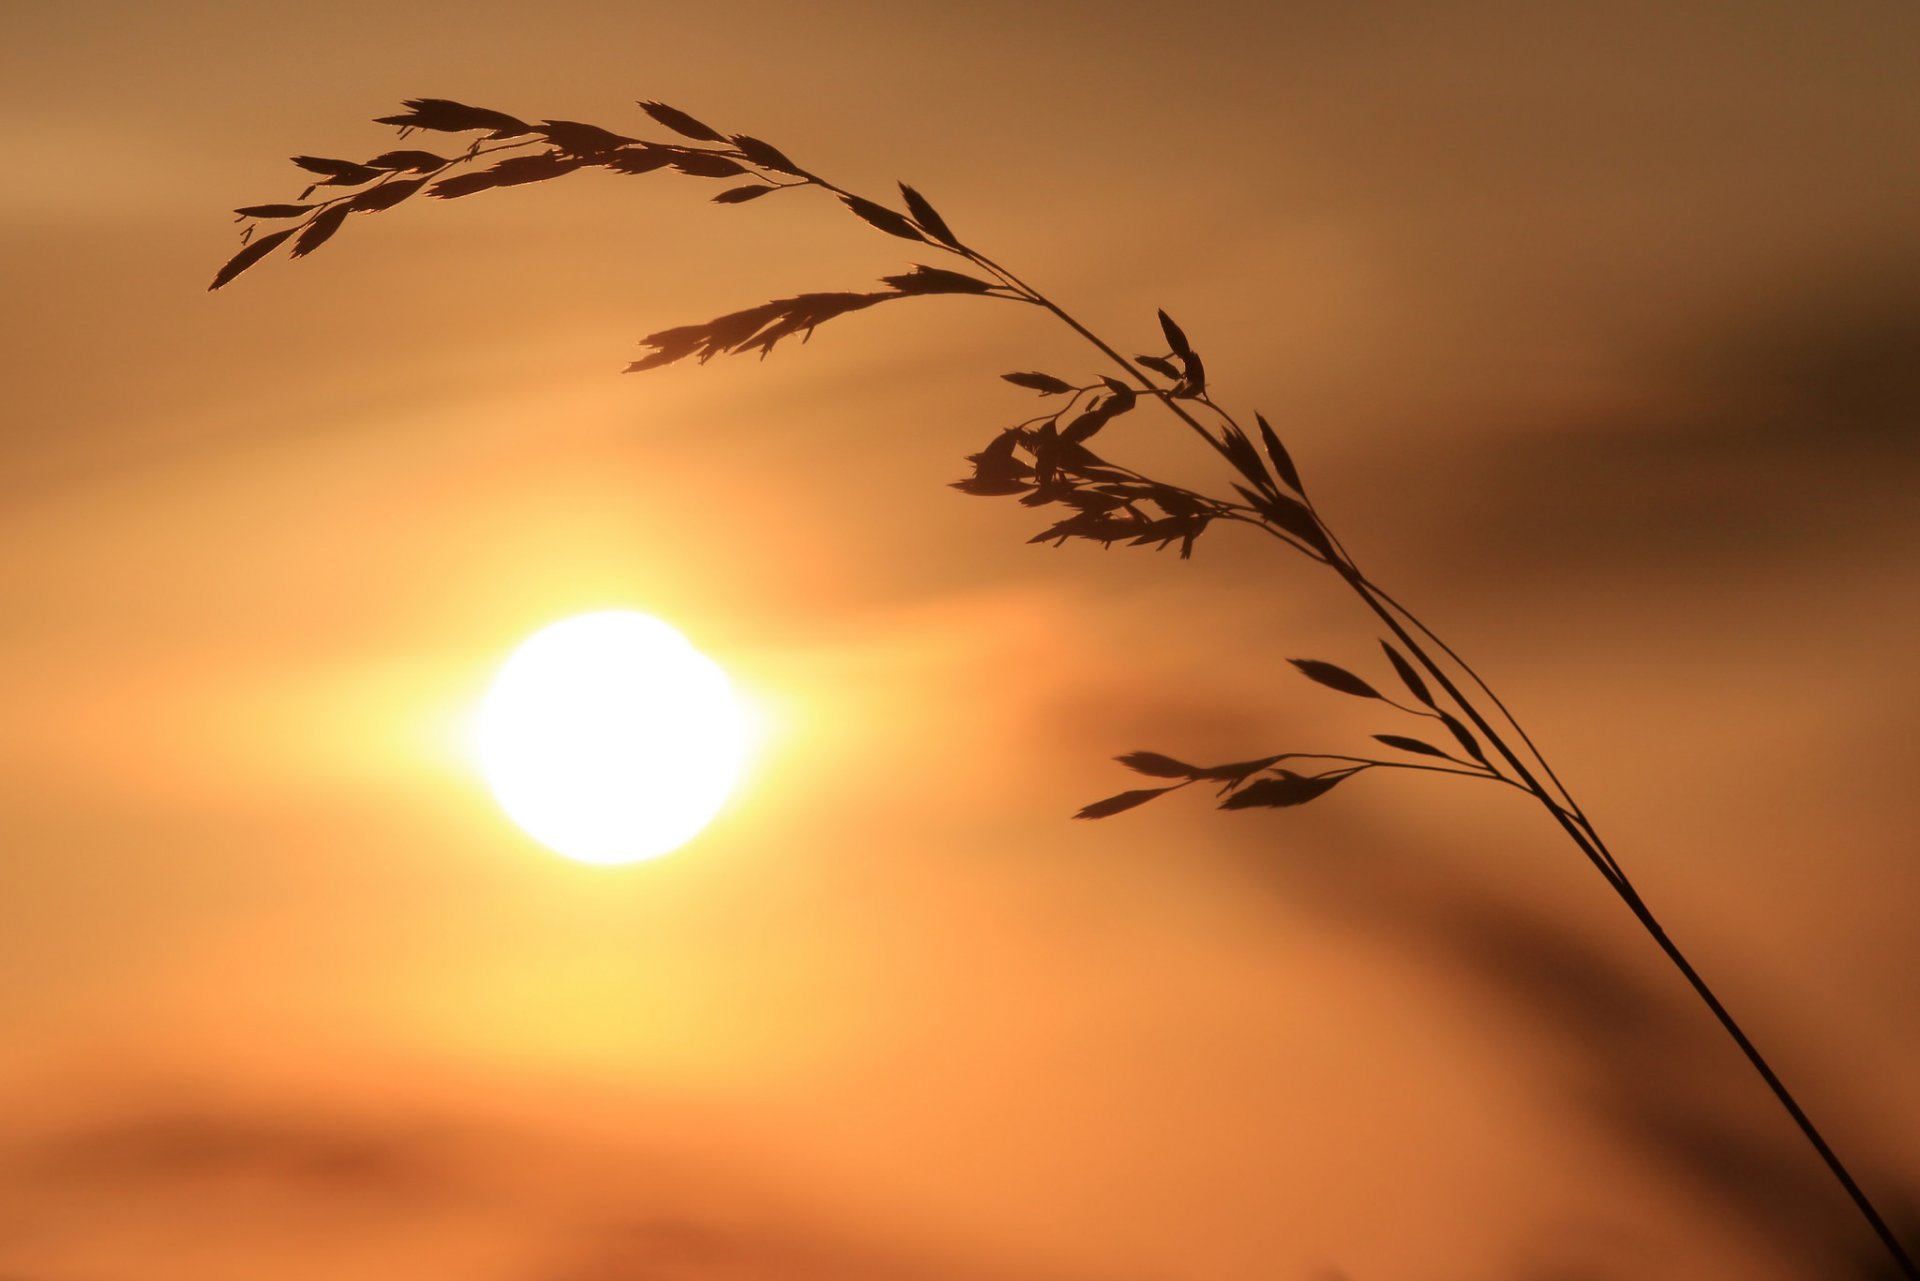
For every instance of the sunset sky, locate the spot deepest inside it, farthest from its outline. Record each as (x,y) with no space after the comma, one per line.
(1596,331)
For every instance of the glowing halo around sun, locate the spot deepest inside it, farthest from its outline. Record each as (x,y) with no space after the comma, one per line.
(609,738)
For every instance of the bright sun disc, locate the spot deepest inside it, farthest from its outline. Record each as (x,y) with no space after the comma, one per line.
(610,738)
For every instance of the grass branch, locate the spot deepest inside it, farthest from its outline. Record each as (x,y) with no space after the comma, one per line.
(1046,460)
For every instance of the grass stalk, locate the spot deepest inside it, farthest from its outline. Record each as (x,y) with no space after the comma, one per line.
(1044,460)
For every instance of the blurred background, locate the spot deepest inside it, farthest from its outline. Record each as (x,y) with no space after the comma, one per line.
(1594,329)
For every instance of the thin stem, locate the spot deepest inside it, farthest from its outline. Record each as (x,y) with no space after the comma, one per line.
(1260,523)
(1146,384)
(1369,762)
(1348,571)
(1596,851)
(1588,846)
(1565,810)
(1573,806)
(1811,1132)
(1571,820)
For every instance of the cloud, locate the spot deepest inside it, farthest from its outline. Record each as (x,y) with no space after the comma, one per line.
(170,1188)
(1761,441)
(310,1156)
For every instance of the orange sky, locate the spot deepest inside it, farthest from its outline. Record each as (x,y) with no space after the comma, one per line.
(1594,330)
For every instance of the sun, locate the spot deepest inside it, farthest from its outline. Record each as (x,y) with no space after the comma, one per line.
(609,738)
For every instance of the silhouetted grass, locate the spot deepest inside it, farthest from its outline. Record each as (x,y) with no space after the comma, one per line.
(1045,460)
